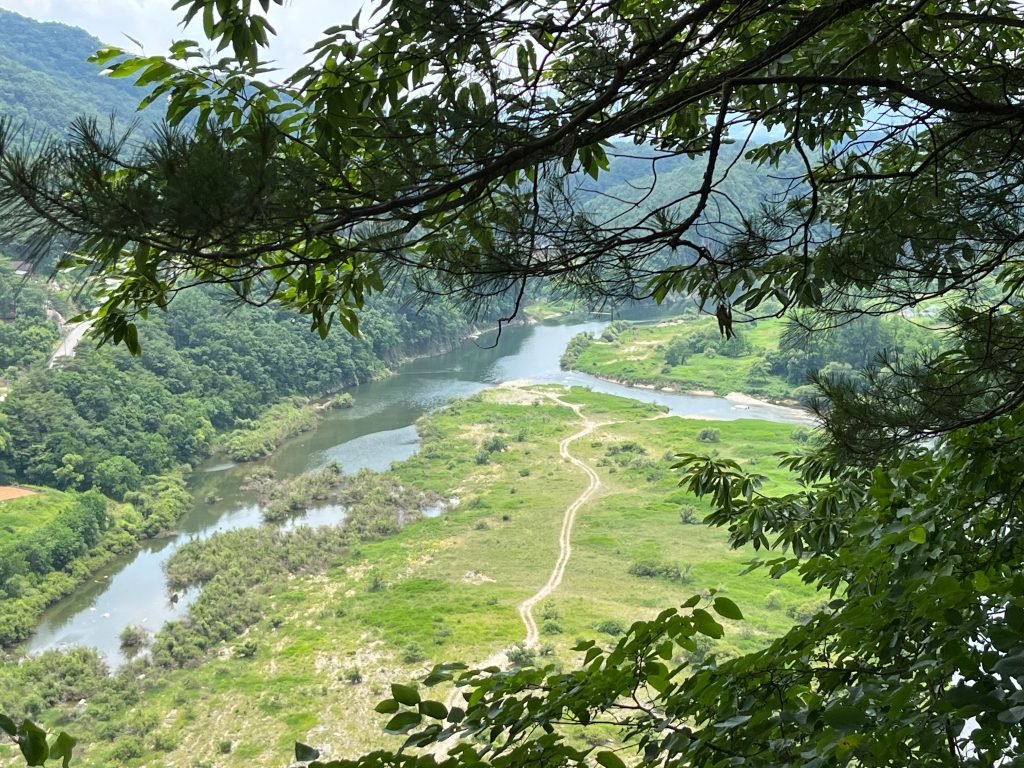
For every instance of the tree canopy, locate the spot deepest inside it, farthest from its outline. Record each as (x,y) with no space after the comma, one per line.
(455,146)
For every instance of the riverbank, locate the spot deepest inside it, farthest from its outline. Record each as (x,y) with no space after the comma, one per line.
(687,355)
(71,538)
(323,645)
(784,406)
(260,437)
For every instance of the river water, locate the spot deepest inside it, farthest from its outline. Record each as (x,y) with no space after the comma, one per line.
(377,431)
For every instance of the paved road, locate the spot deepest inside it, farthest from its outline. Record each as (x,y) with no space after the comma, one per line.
(72,336)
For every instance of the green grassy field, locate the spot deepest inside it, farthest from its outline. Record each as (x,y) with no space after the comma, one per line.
(638,356)
(448,588)
(20,517)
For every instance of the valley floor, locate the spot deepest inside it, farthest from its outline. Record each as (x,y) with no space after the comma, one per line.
(569,520)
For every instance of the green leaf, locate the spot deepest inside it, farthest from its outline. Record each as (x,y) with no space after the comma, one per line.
(405,694)
(1012,715)
(32,740)
(706,625)
(727,608)
(844,717)
(732,722)
(61,749)
(305,753)
(918,535)
(8,726)
(1012,665)
(403,722)
(387,707)
(610,760)
(434,709)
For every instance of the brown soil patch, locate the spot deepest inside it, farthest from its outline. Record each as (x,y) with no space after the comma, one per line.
(13,492)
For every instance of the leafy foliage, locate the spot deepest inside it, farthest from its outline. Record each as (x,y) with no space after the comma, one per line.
(31,740)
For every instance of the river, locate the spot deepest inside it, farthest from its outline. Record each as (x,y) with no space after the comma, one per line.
(378,430)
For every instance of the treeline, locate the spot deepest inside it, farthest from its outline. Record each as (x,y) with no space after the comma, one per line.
(106,419)
(766,358)
(46,563)
(51,547)
(27,334)
(850,348)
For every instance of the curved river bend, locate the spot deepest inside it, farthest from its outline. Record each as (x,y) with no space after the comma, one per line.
(376,432)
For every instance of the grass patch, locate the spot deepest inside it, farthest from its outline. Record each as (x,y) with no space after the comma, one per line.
(26,514)
(649,354)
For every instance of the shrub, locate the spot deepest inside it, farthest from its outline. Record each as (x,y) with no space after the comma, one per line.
(413,654)
(127,748)
(611,627)
(688,515)
(551,627)
(164,742)
(246,649)
(709,435)
(800,435)
(133,637)
(494,444)
(806,611)
(521,655)
(353,676)
(577,345)
(650,569)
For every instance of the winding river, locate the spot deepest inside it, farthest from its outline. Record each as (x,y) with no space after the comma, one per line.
(379,430)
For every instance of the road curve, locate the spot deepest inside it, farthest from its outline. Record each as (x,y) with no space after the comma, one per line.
(72,336)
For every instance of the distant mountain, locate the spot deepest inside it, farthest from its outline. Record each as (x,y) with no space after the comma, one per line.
(45,80)
(630,189)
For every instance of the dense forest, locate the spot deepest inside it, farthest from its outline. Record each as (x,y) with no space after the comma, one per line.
(47,81)
(106,419)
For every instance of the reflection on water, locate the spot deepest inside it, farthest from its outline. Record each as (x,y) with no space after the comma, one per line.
(377,431)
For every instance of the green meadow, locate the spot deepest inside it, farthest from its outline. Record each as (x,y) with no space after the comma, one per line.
(329,640)
(22,516)
(640,354)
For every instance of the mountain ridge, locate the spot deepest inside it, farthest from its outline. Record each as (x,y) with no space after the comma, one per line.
(46,80)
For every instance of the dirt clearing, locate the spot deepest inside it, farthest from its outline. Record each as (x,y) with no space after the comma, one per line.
(13,492)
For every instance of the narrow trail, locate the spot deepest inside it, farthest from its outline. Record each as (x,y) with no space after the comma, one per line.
(499,658)
(568,520)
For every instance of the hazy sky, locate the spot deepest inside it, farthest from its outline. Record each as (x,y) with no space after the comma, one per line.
(152,22)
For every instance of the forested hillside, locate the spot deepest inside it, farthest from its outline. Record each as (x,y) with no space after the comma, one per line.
(107,418)
(640,181)
(45,79)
